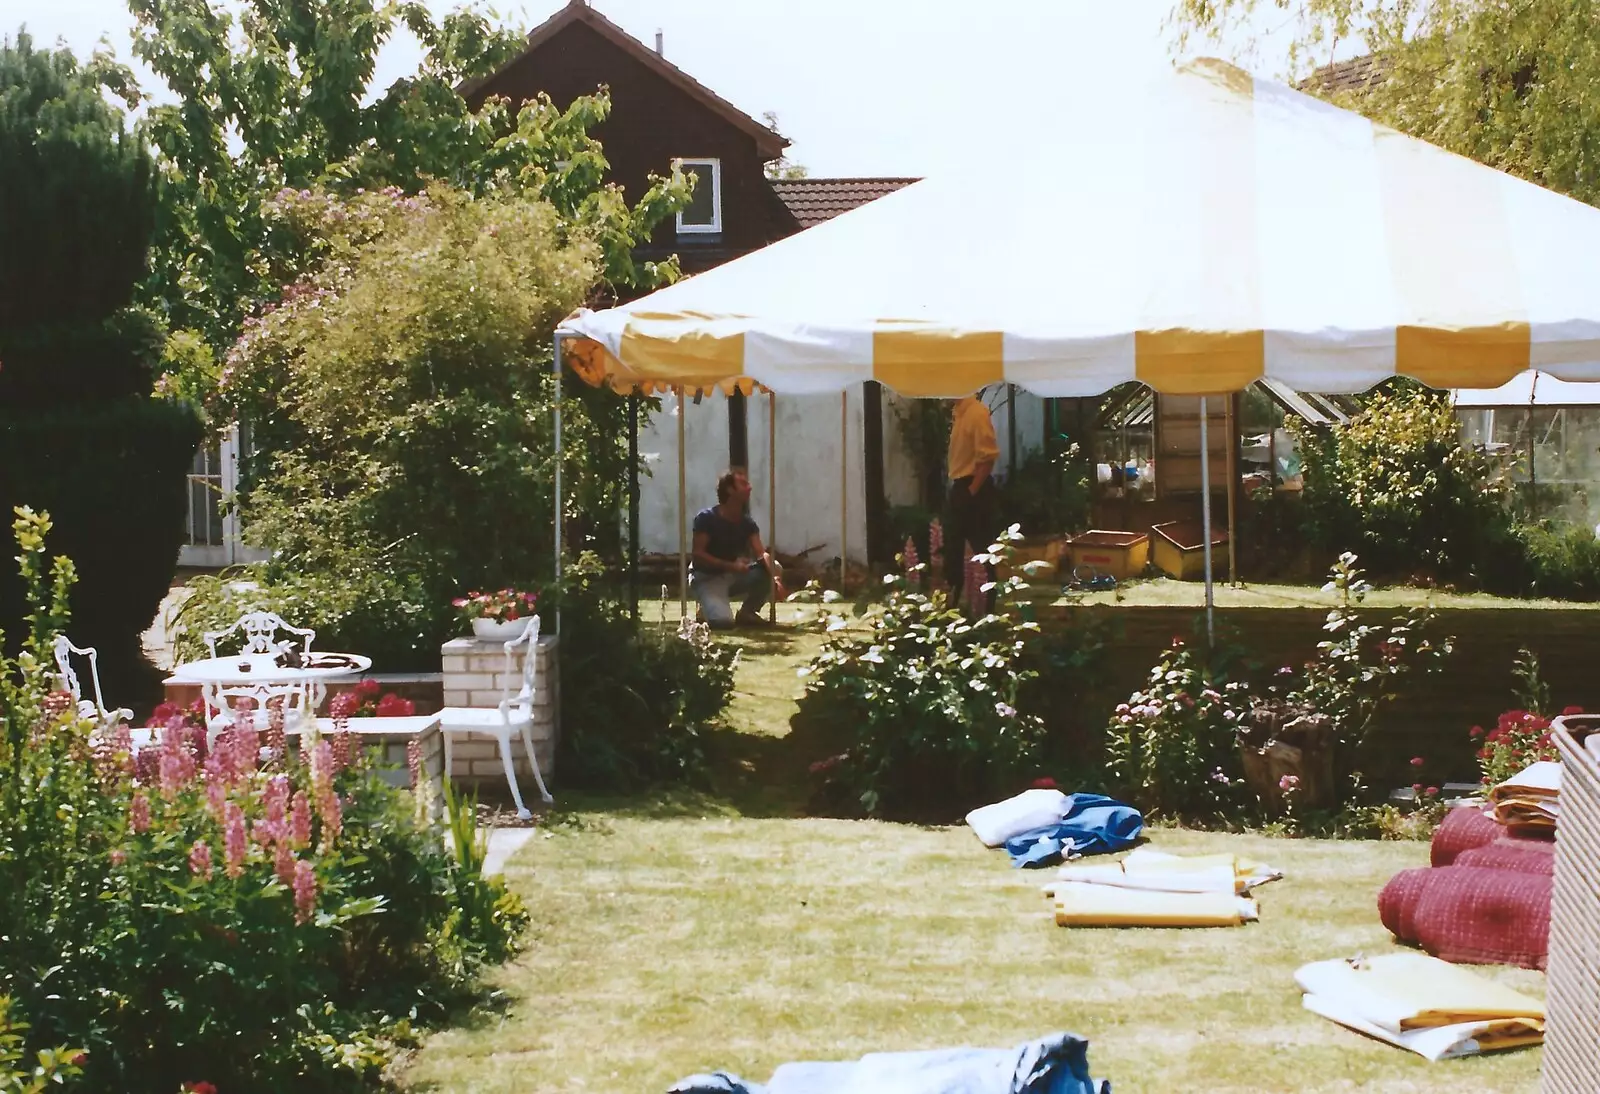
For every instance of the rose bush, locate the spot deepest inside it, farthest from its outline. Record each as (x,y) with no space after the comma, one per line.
(1173,748)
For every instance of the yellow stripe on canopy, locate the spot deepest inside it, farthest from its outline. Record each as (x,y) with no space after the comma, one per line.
(925,361)
(595,366)
(685,349)
(1186,362)
(1202,322)
(1475,357)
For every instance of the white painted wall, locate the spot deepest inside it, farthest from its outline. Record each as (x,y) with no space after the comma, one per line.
(808,472)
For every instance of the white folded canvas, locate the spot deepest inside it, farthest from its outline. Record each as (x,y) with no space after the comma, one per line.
(1422,1004)
(1031,809)
(1433,1044)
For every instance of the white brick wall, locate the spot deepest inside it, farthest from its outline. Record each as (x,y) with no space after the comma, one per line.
(475,676)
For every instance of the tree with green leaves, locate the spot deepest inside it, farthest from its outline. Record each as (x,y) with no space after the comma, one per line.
(77,208)
(1514,84)
(404,393)
(80,435)
(281,96)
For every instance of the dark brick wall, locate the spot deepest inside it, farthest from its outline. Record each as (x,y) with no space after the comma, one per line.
(1432,719)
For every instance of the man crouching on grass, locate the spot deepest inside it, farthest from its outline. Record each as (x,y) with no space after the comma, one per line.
(729,561)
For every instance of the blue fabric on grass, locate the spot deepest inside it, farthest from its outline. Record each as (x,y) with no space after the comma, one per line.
(1093,825)
(1057,1064)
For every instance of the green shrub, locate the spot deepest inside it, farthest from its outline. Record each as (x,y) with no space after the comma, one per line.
(1048,493)
(113,476)
(1560,561)
(78,434)
(69,364)
(1397,486)
(48,1067)
(77,197)
(402,398)
(365,607)
(207,916)
(636,701)
(925,705)
(1176,746)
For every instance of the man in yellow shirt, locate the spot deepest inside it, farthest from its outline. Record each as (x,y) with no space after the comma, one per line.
(970,516)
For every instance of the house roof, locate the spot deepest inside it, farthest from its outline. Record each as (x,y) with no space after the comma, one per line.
(769,142)
(1356,74)
(813,201)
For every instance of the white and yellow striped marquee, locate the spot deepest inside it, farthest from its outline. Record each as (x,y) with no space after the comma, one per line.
(1196,234)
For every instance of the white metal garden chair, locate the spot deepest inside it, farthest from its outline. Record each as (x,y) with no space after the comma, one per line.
(226,703)
(260,631)
(105,720)
(230,704)
(514,715)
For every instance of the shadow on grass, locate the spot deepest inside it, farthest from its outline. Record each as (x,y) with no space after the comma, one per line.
(777,641)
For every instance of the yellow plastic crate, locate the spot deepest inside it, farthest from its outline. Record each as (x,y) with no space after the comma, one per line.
(1120,554)
(1178,548)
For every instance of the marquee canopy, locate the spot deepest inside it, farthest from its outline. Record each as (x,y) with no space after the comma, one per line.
(1530,389)
(1196,233)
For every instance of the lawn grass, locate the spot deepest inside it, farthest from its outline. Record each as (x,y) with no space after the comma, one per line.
(1171,593)
(683,933)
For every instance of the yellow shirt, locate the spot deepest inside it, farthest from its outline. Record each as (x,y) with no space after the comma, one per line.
(972,439)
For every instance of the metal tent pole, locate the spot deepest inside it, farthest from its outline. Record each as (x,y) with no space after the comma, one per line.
(633,505)
(1233,484)
(683,523)
(555,370)
(1011,431)
(844,483)
(1205,513)
(772,488)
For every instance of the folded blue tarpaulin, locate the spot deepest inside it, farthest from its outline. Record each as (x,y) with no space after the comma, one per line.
(1093,824)
(1057,1064)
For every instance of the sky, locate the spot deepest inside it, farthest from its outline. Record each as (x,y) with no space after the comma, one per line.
(860,87)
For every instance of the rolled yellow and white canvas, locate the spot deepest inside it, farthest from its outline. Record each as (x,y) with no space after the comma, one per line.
(1089,905)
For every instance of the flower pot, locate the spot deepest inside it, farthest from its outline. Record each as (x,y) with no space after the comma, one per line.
(1277,742)
(499,631)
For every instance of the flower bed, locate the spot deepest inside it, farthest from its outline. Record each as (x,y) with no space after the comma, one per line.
(250,915)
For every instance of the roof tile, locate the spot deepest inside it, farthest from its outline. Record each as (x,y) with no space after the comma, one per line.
(813,201)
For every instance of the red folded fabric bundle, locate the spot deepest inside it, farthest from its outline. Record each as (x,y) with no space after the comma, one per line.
(1485,900)
(1463,829)
(1471,914)
(1525,856)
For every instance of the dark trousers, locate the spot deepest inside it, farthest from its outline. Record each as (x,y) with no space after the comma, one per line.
(969,519)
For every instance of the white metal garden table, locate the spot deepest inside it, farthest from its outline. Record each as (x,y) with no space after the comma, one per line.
(259,677)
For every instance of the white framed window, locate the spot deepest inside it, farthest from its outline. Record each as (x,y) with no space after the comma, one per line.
(703,214)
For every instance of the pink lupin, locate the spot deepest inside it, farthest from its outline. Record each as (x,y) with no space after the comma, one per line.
(233,840)
(304,883)
(200,859)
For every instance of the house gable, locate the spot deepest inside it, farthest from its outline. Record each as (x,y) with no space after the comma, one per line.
(658,114)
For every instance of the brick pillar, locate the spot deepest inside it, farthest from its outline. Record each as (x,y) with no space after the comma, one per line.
(475,676)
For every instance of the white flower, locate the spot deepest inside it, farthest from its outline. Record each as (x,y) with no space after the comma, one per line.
(1005,710)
